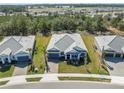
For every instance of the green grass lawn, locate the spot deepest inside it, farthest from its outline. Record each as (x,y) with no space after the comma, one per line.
(85,79)
(65,68)
(6,71)
(93,67)
(1,38)
(3,82)
(39,54)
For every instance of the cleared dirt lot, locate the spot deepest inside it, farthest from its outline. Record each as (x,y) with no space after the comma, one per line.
(118,66)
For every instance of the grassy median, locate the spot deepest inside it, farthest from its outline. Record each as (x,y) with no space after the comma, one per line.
(85,79)
(36,79)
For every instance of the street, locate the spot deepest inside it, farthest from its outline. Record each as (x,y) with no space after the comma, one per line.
(64,85)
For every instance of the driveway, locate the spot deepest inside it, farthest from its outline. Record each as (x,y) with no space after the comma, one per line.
(53,66)
(20,69)
(117,66)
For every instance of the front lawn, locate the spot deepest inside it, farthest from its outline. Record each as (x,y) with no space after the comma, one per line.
(93,67)
(3,82)
(66,68)
(1,38)
(39,55)
(6,71)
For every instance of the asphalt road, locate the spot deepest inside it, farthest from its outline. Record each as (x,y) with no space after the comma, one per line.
(64,85)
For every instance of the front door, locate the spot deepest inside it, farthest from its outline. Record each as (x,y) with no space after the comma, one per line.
(74,56)
(68,57)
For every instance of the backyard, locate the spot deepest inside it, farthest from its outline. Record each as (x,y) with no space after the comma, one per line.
(93,67)
(39,55)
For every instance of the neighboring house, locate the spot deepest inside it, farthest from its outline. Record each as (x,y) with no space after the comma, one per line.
(16,48)
(111,46)
(2,14)
(67,46)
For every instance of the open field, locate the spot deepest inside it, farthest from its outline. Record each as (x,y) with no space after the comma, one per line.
(39,54)
(85,79)
(93,67)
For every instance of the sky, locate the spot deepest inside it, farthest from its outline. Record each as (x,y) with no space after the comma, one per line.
(59,1)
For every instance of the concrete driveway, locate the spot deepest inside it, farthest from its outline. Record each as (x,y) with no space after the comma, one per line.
(53,66)
(117,66)
(20,69)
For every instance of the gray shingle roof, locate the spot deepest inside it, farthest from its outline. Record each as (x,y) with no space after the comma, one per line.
(117,44)
(64,42)
(12,44)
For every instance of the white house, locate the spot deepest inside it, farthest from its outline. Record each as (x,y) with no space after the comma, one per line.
(67,46)
(112,46)
(16,48)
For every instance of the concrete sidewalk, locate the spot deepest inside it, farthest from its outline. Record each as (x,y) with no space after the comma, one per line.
(54,77)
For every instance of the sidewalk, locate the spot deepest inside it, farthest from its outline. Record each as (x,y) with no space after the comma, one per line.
(54,77)
(49,77)
(17,80)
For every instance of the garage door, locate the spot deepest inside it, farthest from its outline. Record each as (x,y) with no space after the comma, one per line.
(23,58)
(109,55)
(118,55)
(53,55)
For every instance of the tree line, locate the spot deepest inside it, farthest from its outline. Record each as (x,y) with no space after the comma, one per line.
(26,25)
(12,8)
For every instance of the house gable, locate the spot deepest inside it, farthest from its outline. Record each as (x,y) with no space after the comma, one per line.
(12,44)
(117,44)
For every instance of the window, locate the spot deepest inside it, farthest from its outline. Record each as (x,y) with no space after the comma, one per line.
(74,56)
(118,55)
(0,60)
(6,59)
(62,53)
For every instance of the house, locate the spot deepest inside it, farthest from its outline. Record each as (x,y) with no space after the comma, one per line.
(16,48)
(2,14)
(111,46)
(67,46)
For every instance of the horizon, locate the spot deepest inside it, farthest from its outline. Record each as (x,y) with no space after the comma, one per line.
(61,3)
(25,2)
